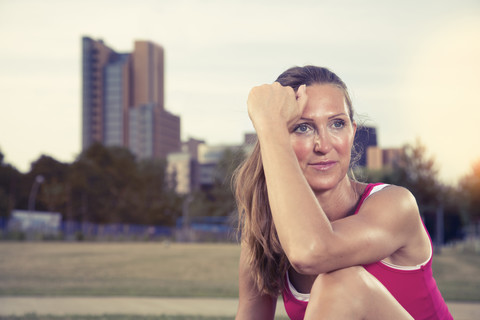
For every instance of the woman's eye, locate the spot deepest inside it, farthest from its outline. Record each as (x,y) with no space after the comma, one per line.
(338,124)
(302,128)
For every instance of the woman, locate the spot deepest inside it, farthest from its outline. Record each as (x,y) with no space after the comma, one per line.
(334,248)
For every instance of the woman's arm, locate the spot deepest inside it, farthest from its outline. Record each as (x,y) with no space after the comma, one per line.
(252,304)
(312,244)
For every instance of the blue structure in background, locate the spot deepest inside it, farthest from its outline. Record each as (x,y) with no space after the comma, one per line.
(35,222)
(207,224)
(210,228)
(71,229)
(364,138)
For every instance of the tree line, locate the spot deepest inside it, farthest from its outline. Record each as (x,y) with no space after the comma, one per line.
(416,171)
(109,185)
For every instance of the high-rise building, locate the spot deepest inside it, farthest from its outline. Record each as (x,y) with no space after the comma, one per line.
(123,100)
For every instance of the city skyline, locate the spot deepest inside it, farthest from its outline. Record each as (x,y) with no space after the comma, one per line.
(412,67)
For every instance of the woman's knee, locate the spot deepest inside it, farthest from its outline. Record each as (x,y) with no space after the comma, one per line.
(348,281)
(353,293)
(338,295)
(352,286)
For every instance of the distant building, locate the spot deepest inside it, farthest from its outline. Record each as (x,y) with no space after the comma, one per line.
(366,137)
(378,158)
(208,158)
(195,166)
(249,141)
(183,167)
(391,156)
(180,172)
(374,158)
(123,100)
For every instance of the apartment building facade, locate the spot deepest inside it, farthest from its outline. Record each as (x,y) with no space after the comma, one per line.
(123,100)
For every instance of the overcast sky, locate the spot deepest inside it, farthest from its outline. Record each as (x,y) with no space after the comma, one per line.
(413,67)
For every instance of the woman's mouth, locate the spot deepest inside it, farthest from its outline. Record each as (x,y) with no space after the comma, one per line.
(323,165)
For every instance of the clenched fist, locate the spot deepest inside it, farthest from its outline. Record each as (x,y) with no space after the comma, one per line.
(274,105)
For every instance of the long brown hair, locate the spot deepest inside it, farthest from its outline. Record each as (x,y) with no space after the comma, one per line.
(266,257)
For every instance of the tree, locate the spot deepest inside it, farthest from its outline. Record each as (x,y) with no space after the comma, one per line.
(101,182)
(10,181)
(103,185)
(108,185)
(158,203)
(53,192)
(470,188)
(417,172)
(219,200)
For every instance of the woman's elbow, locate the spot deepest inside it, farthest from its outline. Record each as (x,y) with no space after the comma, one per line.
(311,260)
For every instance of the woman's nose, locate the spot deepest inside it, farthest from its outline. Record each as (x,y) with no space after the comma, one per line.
(322,142)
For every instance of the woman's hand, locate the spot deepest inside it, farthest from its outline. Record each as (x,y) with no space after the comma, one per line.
(274,105)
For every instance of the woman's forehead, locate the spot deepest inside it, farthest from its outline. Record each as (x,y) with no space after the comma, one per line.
(325,100)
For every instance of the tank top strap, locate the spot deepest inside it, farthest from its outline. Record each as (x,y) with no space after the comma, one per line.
(369,190)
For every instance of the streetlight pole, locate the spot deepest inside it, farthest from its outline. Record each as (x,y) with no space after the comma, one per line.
(33,193)
(439,217)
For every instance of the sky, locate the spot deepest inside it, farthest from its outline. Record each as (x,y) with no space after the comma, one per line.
(412,67)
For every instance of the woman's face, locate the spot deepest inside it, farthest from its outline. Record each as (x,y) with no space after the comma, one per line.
(322,139)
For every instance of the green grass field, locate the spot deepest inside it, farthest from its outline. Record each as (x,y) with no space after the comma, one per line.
(161,269)
(118,269)
(111,317)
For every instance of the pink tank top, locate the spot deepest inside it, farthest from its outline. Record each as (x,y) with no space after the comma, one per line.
(413,287)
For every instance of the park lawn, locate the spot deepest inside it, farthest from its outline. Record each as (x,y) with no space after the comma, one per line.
(111,317)
(457,272)
(118,269)
(167,269)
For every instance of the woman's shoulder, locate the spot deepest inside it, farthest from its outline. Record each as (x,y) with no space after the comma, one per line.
(395,191)
(380,197)
(395,209)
